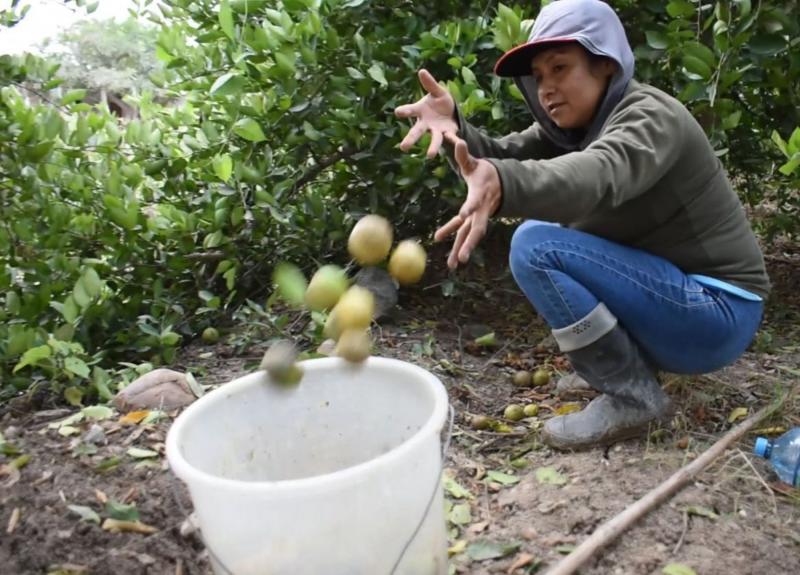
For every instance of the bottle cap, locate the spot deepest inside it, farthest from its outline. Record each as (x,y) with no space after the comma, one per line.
(761,446)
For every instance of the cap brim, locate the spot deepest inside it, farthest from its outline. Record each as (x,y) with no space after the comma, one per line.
(517,61)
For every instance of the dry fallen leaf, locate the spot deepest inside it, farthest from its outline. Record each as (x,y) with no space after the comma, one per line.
(11,472)
(117,526)
(68,568)
(134,417)
(13,521)
(737,414)
(568,408)
(101,497)
(457,547)
(476,528)
(523,560)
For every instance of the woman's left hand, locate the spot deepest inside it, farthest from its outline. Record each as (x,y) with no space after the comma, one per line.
(484,193)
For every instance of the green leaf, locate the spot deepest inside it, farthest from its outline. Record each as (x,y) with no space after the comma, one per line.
(460,514)
(227,84)
(100,379)
(290,283)
(67,421)
(481,549)
(74,396)
(226,19)
(502,478)
(91,282)
(789,167)
(77,366)
(80,295)
(455,489)
(549,476)
(223,167)
(109,463)
(678,569)
(701,512)
(249,129)
(33,356)
(737,414)
(72,96)
(697,66)
(376,73)
(657,40)
(67,430)
(98,412)
(701,52)
(778,141)
(731,120)
(285,62)
(354,73)
(170,338)
(486,340)
(86,513)
(213,240)
(745,7)
(767,44)
(120,511)
(139,453)
(70,310)
(680,9)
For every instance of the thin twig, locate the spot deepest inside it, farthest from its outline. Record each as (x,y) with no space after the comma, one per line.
(40,95)
(611,529)
(743,455)
(683,533)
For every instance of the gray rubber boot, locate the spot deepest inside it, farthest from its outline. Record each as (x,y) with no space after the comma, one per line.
(603,354)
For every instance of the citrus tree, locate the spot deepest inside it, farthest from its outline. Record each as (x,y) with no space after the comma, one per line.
(122,240)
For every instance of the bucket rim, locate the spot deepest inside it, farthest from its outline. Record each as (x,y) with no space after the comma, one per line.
(190,474)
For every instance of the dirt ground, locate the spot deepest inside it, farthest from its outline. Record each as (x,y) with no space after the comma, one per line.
(733,518)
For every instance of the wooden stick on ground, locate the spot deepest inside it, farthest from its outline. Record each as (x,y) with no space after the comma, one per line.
(613,528)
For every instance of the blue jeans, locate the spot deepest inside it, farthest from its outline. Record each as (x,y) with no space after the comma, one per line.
(681,325)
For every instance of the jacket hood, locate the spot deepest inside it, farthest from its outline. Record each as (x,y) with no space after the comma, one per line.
(597,28)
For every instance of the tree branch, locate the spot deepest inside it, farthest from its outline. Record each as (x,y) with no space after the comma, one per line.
(315,170)
(614,527)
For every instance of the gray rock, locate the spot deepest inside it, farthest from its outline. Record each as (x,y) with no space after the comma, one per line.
(382,285)
(95,435)
(548,343)
(572,385)
(159,389)
(327,347)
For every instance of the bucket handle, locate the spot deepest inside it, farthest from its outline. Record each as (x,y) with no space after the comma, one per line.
(436,487)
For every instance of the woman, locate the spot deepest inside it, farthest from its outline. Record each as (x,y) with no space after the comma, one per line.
(651,264)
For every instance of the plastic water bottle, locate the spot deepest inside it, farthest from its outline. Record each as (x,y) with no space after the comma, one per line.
(783,453)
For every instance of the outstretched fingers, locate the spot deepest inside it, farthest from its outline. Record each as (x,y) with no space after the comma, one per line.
(407,110)
(430,84)
(448,229)
(414,134)
(455,254)
(436,143)
(477,231)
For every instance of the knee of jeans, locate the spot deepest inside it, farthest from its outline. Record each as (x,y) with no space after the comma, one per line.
(526,239)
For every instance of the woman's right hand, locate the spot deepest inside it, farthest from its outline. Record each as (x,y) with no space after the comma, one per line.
(434,114)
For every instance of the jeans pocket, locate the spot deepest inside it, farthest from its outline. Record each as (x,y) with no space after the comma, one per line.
(700,295)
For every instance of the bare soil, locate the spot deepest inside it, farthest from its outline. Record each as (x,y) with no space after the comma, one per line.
(734,518)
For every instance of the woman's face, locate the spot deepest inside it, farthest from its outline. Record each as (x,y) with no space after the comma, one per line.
(570,85)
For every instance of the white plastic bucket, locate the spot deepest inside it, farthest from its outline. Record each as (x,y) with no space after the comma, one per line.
(337,476)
